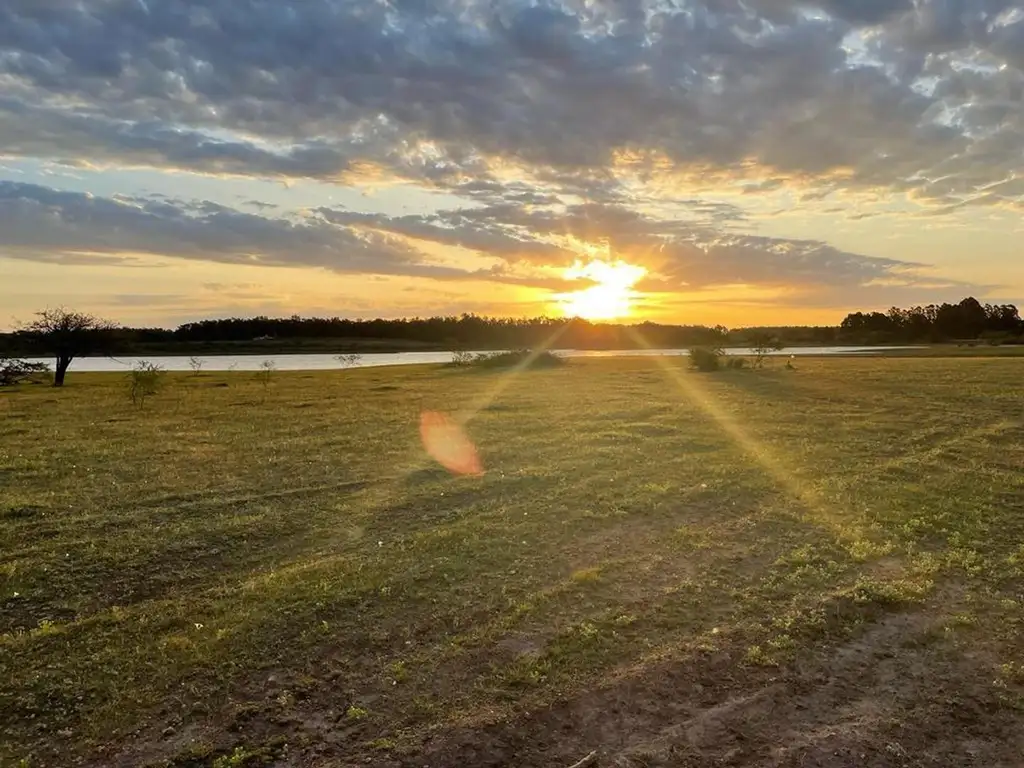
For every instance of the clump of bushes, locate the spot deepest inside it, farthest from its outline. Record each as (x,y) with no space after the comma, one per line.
(14,371)
(709,359)
(706,359)
(512,359)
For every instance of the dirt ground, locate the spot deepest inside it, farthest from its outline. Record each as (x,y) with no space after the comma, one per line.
(894,696)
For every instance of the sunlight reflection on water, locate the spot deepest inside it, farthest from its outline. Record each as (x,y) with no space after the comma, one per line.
(325,362)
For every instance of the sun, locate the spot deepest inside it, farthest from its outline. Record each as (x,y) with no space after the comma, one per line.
(610,297)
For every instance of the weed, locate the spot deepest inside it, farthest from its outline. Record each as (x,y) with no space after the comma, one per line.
(245,757)
(758,657)
(1012,672)
(583,575)
(266,372)
(397,671)
(144,380)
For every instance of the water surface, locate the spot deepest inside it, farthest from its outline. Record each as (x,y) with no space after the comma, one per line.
(326,362)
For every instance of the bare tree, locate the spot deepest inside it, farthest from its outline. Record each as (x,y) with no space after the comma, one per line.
(67,335)
(762,344)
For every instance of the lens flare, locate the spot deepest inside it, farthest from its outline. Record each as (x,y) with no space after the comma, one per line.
(447,443)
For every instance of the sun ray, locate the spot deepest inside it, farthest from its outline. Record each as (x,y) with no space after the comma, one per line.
(488,396)
(817,507)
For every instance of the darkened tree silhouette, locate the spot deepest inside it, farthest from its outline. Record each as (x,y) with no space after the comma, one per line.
(965,320)
(14,371)
(67,334)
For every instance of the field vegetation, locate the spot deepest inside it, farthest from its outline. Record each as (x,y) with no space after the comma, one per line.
(777,567)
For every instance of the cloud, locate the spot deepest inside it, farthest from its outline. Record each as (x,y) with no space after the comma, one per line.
(90,140)
(52,226)
(653,130)
(438,91)
(859,12)
(681,254)
(147,299)
(44,224)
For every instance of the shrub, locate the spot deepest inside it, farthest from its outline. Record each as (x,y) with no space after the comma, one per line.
(144,380)
(736,363)
(196,364)
(348,361)
(266,372)
(513,359)
(14,371)
(705,359)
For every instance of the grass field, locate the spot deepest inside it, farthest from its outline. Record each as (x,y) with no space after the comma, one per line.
(818,567)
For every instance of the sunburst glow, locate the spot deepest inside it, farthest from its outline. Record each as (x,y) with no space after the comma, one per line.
(610,297)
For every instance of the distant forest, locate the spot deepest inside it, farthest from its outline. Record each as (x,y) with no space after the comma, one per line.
(967,321)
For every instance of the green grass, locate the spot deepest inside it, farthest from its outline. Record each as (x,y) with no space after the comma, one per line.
(236,575)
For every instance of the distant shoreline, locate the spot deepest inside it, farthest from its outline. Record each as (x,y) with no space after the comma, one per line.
(297,347)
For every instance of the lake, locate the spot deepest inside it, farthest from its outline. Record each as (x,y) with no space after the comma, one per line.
(324,362)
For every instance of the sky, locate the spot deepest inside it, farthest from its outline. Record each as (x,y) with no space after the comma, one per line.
(739,162)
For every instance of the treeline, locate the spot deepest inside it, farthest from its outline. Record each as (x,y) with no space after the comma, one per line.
(966,321)
(936,323)
(465,331)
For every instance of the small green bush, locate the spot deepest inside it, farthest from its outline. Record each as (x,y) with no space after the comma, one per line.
(513,359)
(143,381)
(706,359)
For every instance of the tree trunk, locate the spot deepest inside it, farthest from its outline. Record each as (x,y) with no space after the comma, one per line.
(60,370)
